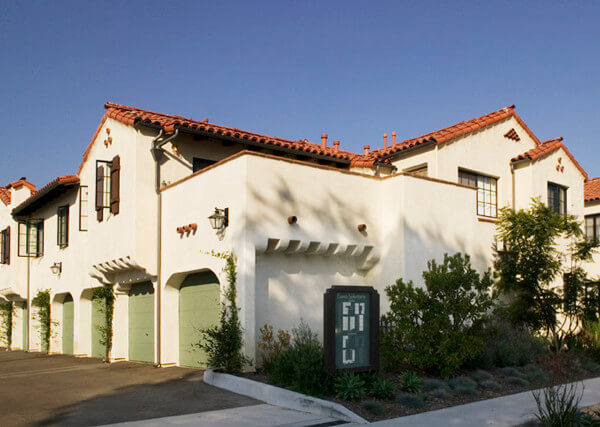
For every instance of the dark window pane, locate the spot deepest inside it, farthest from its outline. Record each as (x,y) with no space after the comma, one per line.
(199,164)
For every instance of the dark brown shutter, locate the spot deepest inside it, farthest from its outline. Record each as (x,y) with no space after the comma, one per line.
(100,193)
(7,242)
(115,177)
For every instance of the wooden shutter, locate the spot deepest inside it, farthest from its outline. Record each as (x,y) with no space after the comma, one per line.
(115,177)
(7,247)
(100,193)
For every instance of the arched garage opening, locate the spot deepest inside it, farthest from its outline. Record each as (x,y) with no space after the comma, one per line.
(199,303)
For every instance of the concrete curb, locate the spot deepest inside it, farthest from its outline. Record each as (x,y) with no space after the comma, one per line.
(281,397)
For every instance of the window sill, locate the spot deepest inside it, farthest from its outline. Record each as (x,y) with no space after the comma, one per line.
(487,219)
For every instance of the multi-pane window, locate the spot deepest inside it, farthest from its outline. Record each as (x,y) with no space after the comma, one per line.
(5,246)
(592,228)
(62,227)
(108,177)
(557,198)
(83,208)
(487,192)
(31,238)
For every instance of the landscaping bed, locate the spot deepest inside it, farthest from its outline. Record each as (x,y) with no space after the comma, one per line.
(468,386)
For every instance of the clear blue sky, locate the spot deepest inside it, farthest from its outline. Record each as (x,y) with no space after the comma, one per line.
(293,69)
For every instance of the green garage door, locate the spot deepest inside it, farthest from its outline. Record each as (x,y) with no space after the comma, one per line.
(68,325)
(198,308)
(141,322)
(98,349)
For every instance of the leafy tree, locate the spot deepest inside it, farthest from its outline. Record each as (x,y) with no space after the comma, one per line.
(440,327)
(540,246)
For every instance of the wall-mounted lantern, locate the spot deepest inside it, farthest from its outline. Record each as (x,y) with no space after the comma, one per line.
(56,268)
(220,219)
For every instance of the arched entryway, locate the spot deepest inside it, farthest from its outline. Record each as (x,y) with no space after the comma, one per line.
(199,302)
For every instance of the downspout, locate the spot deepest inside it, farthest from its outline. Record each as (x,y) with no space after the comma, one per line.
(157,153)
(28,303)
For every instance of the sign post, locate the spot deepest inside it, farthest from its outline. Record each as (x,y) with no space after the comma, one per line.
(351,328)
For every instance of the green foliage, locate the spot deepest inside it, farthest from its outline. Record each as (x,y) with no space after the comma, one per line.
(591,366)
(410,382)
(7,310)
(559,406)
(508,345)
(481,375)
(434,384)
(440,327)
(272,347)
(531,264)
(410,400)
(489,385)
(465,382)
(300,366)
(223,342)
(374,408)
(509,371)
(517,381)
(349,386)
(382,388)
(441,393)
(466,391)
(105,295)
(42,315)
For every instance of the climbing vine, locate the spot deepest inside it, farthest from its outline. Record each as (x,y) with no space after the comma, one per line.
(42,315)
(6,315)
(223,342)
(105,296)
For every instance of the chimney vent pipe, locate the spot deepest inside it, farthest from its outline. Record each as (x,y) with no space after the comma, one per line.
(393,139)
(336,144)
(367,147)
(385,140)
(323,140)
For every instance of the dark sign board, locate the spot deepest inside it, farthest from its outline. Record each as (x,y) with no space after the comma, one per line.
(351,328)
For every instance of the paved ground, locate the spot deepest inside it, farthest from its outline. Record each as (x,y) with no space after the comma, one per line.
(37,389)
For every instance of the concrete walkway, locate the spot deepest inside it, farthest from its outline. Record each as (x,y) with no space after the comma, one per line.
(248,416)
(503,411)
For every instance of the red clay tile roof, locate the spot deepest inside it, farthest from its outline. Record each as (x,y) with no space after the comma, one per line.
(449,133)
(5,195)
(21,182)
(38,197)
(546,148)
(591,191)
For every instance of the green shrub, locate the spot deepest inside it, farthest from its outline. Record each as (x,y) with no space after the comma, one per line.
(410,382)
(558,406)
(489,384)
(374,408)
(481,375)
(509,371)
(349,386)
(466,391)
(462,382)
(382,388)
(410,400)
(42,315)
(440,327)
(517,381)
(591,366)
(300,366)
(434,384)
(507,345)
(536,375)
(441,393)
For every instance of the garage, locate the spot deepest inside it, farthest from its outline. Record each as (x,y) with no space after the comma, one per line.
(198,308)
(141,322)
(68,312)
(98,349)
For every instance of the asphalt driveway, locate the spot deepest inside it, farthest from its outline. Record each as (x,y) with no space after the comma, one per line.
(38,389)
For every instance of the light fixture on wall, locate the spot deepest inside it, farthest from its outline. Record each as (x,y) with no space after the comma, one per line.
(56,268)
(220,219)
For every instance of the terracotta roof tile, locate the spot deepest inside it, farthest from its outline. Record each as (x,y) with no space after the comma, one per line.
(546,148)
(5,195)
(591,191)
(20,183)
(459,129)
(65,180)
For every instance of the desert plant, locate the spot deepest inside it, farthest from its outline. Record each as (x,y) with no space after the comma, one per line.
(489,385)
(466,391)
(559,406)
(300,366)
(481,375)
(223,343)
(510,371)
(382,388)
(441,393)
(374,408)
(517,381)
(349,386)
(410,382)
(430,384)
(462,382)
(440,327)
(411,400)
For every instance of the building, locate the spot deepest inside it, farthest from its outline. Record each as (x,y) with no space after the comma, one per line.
(299,216)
